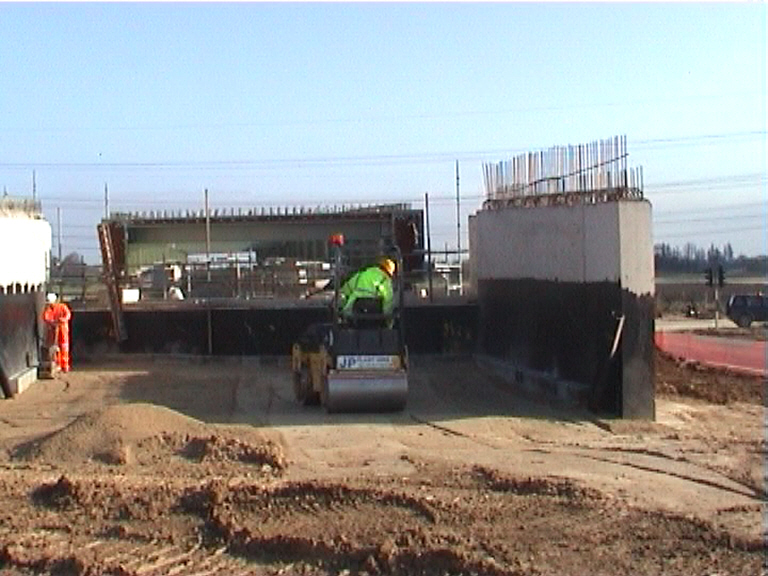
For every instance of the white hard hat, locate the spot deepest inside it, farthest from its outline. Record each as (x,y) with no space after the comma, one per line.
(51,297)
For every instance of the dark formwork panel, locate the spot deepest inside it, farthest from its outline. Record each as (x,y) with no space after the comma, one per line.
(429,329)
(567,330)
(256,332)
(638,352)
(20,326)
(441,328)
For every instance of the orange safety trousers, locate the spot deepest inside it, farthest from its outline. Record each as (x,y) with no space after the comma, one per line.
(59,313)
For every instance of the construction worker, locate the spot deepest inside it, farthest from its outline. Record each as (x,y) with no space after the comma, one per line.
(175,293)
(371,282)
(57,315)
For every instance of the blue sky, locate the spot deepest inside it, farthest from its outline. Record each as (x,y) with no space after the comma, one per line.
(317,104)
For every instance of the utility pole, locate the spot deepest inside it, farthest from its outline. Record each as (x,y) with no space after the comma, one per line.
(34,187)
(208,273)
(458,228)
(717,306)
(207,237)
(58,227)
(718,284)
(106,202)
(429,246)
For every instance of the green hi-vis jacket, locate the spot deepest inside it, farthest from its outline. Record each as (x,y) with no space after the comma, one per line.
(372,282)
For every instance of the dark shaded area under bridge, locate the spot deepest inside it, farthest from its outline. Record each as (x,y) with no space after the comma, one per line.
(269,328)
(227,328)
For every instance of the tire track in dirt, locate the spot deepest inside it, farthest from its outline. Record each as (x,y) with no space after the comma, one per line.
(757,491)
(59,553)
(254,522)
(448,430)
(452,521)
(749,491)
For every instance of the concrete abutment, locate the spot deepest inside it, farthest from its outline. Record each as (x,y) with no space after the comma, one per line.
(565,297)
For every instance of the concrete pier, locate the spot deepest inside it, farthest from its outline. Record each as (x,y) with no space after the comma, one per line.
(566,291)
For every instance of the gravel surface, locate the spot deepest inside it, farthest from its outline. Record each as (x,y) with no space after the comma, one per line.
(149,466)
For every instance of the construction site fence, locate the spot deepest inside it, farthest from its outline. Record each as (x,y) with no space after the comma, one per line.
(83,287)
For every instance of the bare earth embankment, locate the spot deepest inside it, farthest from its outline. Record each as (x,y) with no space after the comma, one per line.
(179,467)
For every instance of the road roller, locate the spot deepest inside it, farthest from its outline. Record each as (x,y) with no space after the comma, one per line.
(357,362)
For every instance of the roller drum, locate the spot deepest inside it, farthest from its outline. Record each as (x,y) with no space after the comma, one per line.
(366,391)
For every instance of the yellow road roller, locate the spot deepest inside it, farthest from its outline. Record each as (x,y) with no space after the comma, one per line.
(358,361)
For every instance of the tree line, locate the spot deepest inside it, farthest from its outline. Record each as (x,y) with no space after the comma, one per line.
(691,258)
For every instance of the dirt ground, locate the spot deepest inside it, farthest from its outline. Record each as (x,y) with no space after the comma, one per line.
(161,466)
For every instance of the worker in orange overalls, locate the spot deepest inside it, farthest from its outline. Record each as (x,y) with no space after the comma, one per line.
(58,314)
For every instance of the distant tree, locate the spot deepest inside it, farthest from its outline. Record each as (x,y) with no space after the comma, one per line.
(689,252)
(713,254)
(728,252)
(693,259)
(757,265)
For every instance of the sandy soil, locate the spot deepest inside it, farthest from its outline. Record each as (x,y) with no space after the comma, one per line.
(146,466)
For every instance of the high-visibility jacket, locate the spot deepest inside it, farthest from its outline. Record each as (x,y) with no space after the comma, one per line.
(371,282)
(59,314)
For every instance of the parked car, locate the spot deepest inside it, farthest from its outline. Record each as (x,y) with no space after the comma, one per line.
(745,309)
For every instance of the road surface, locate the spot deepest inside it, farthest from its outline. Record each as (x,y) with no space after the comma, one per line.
(743,354)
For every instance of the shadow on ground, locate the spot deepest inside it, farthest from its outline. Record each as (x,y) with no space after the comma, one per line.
(259,392)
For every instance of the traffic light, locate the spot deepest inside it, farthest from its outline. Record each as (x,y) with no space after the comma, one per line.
(708,276)
(720,276)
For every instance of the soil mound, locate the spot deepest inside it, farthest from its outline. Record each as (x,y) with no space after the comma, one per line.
(678,377)
(470,521)
(62,494)
(215,448)
(106,434)
(148,434)
(103,500)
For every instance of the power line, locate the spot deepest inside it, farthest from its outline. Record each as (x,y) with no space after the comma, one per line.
(711,219)
(369,160)
(709,209)
(728,179)
(711,231)
(389,118)
(81,226)
(93,236)
(698,139)
(679,186)
(705,185)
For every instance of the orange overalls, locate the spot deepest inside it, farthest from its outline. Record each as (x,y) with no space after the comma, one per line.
(58,313)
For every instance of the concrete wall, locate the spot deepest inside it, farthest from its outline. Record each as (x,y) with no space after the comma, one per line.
(636,246)
(25,246)
(559,243)
(20,333)
(638,307)
(553,284)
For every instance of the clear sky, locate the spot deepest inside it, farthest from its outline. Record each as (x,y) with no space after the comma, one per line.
(320,104)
